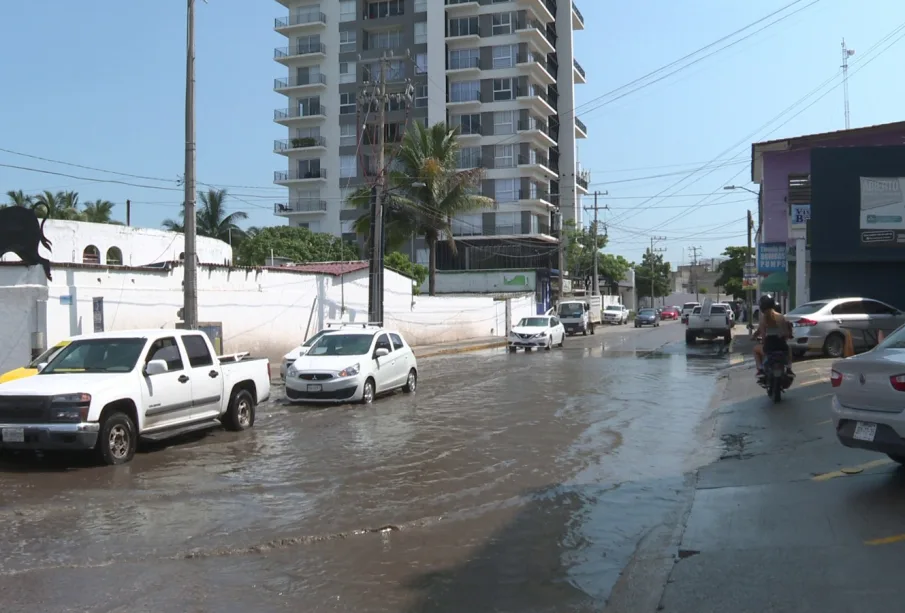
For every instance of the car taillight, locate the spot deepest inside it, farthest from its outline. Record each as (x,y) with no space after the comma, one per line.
(804,321)
(835,378)
(898,382)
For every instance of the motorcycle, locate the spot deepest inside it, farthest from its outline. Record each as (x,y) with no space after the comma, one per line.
(776,378)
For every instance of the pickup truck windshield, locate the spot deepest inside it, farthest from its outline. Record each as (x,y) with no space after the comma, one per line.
(533,322)
(571,310)
(99,355)
(342,344)
(614,308)
(46,357)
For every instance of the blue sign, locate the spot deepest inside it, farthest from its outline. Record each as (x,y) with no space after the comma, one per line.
(771,257)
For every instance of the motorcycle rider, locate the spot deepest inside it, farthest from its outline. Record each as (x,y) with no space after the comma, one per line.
(774,331)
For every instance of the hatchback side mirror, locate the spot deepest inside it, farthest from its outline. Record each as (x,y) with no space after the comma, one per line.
(379,353)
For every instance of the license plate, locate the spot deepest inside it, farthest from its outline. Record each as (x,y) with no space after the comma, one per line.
(865,431)
(13,435)
(315,388)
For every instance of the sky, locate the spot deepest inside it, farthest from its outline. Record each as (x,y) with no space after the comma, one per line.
(102,83)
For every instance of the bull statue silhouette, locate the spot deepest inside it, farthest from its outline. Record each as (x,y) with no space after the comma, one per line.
(20,233)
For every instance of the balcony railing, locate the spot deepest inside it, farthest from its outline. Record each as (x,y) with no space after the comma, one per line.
(534,91)
(536,58)
(299,19)
(300,206)
(577,12)
(534,194)
(299,112)
(583,179)
(469,32)
(534,124)
(301,142)
(470,162)
(579,68)
(296,50)
(534,158)
(453,2)
(299,175)
(467,97)
(581,125)
(471,130)
(315,79)
(464,63)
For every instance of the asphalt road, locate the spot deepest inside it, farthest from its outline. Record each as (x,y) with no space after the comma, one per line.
(510,482)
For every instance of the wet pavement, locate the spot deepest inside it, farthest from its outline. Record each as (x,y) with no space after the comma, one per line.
(509,482)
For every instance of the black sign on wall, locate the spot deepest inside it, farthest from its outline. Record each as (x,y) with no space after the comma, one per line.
(98,308)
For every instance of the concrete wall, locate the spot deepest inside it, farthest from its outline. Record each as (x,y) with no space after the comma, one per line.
(139,246)
(21,314)
(483,281)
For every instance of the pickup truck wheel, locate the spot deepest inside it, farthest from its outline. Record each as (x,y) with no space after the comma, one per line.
(690,339)
(117,440)
(240,415)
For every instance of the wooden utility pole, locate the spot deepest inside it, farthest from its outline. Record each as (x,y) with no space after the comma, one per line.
(694,271)
(653,241)
(595,276)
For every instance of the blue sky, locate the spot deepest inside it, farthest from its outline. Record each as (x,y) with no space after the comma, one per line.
(103,86)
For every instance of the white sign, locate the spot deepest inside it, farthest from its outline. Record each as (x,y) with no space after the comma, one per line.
(882,203)
(801,215)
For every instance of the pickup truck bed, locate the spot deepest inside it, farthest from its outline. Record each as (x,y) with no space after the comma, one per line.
(708,323)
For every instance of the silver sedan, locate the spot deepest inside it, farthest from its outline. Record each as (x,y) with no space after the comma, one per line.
(821,325)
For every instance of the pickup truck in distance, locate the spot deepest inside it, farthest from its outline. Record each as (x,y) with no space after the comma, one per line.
(709,321)
(104,391)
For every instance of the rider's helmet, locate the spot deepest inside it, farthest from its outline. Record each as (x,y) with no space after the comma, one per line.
(767,302)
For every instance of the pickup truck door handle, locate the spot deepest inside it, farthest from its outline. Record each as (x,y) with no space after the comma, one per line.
(213,374)
(183,379)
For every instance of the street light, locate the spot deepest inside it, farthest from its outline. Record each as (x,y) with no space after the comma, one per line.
(732,187)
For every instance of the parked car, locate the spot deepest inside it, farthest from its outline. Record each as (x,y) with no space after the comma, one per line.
(31,369)
(820,325)
(708,321)
(687,308)
(869,394)
(669,313)
(353,365)
(302,349)
(615,314)
(105,391)
(647,317)
(541,331)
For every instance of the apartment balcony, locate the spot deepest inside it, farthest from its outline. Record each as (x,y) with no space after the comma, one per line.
(470,132)
(581,130)
(304,144)
(296,87)
(460,39)
(305,206)
(538,132)
(538,66)
(580,76)
(292,177)
(472,99)
(537,100)
(541,8)
(539,165)
(583,181)
(467,66)
(536,34)
(298,55)
(461,8)
(300,115)
(294,25)
(537,197)
(577,18)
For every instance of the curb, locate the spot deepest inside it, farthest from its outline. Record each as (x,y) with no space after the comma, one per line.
(465,349)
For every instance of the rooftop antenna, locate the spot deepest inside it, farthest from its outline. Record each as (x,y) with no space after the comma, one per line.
(846,53)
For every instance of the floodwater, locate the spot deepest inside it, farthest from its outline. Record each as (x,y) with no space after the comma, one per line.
(509,482)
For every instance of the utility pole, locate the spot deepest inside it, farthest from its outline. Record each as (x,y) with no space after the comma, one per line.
(749,299)
(694,271)
(595,278)
(846,53)
(190,281)
(653,241)
(128,212)
(560,251)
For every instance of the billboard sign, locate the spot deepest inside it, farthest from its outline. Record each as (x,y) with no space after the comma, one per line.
(771,257)
(801,215)
(882,211)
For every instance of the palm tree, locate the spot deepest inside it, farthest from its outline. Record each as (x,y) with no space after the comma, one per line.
(17,198)
(99,211)
(428,190)
(211,218)
(60,205)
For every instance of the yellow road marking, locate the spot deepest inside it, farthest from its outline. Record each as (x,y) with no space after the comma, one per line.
(819,397)
(889,540)
(851,470)
(823,423)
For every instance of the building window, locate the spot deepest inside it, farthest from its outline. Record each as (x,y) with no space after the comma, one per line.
(348,135)
(114,256)
(347,103)
(348,166)
(395,71)
(506,190)
(504,56)
(464,26)
(347,10)
(504,122)
(421,63)
(467,124)
(387,39)
(504,156)
(421,95)
(421,32)
(502,23)
(385,8)
(468,225)
(91,255)
(347,72)
(469,157)
(502,89)
(464,91)
(420,6)
(348,41)
(464,58)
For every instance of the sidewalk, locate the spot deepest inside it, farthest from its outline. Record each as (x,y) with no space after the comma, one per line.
(472,344)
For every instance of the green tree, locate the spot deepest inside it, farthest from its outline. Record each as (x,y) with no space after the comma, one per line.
(427,190)
(99,211)
(732,270)
(298,244)
(580,255)
(212,219)
(400,262)
(652,268)
(18,198)
(59,205)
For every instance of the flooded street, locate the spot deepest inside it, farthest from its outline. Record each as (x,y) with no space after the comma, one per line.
(509,482)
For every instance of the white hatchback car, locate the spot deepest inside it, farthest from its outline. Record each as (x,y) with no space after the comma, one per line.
(541,331)
(332,326)
(352,365)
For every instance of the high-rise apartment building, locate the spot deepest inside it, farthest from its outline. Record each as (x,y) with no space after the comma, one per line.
(502,71)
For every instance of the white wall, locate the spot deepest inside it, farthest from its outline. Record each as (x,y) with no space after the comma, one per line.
(139,246)
(483,281)
(21,314)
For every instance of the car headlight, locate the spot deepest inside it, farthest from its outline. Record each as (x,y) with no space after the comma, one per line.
(70,407)
(349,371)
(292,371)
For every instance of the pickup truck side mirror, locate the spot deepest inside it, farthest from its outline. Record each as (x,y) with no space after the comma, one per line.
(156,367)
(42,366)
(382,351)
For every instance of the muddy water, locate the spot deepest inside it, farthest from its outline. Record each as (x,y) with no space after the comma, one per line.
(507,483)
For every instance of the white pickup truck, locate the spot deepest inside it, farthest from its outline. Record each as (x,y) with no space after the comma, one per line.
(709,321)
(105,391)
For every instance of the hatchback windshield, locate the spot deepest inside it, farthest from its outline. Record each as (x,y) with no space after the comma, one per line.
(342,344)
(97,355)
(807,309)
(533,322)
